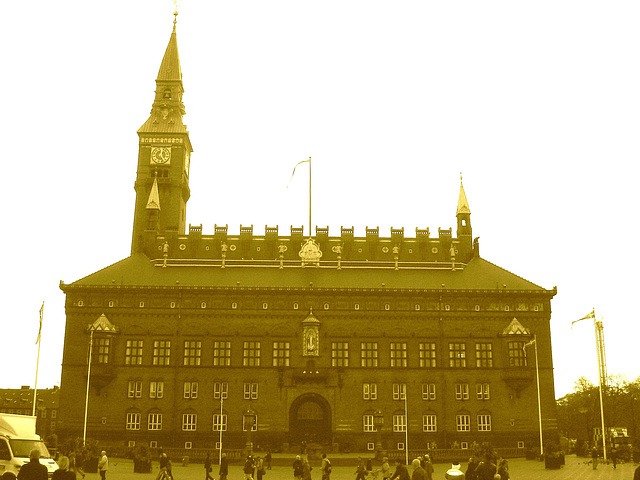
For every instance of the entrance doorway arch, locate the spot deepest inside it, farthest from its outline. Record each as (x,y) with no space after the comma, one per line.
(310,420)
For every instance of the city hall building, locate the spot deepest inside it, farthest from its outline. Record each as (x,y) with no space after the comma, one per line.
(394,338)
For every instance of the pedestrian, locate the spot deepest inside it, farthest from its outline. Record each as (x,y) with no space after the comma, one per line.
(428,467)
(74,465)
(248,468)
(471,469)
(325,467)
(594,457)
(503,469)
(297,468)
(267,459)
(259,463)
(386,470)
(401,472)
(165,468)
(224,467)
(486,469)
(103,465)
(418,471)
(63,472)
(207,467)
(454,473)
(360,470)
(614,457)
(306,469)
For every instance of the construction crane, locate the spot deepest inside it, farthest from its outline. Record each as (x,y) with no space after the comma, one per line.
(602,369)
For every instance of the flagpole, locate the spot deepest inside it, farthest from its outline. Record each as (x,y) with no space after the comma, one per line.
(220,449)
(86,400)
(310,234)
(406,428)
(38,341)
(535,349)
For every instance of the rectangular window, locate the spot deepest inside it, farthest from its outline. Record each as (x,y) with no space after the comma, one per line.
(133,352)
(161,352)
(482,391)
(250,391)
(428,391)
(339,354)
(369,354)
(517,355)
(484,423)
(189,422)
(484,355)
(220,390)
(457,355)
(280,354)
(133,421)
(251,354)
(103,345)
(155,421)
(398,354)
(190,389)
(135,389)
(463,423)
(429,423)
(219,422)
(192,352)
(399,391)
(254,428)
(462,391)
(399,423)
(367,423)
(369,391)
(428,355)
(156,389)
(221,354)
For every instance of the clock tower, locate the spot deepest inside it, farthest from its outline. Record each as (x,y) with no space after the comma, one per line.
(162,180)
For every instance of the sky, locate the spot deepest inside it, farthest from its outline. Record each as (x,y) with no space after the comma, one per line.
(536,103)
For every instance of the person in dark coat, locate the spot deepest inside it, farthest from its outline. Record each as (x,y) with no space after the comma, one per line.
(418,471)
(297,468)
(63,472)
(224,467)
(471,469)
(486,469)
(503,469)
(401,472)
(33,470)
(248,468)
(636,475)
(360,470)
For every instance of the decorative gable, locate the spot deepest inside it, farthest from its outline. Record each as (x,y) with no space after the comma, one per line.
(515,328)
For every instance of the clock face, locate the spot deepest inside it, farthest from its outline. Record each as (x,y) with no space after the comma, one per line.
(160,155)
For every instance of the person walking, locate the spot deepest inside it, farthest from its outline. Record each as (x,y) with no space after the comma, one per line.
(471,469)
(33,470)
(418,471)
(325,467)
(386,470)
(297,468)
(401,472)
(224,467)
(360,470)
(63,472)
(74,465)
(428,467)
(306,469)
(248,468)
(267,460)
(207,467)
(103,465)
(486,469)
(594,457)
(259,463)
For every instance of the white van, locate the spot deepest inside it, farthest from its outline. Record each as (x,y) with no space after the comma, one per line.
(17,439)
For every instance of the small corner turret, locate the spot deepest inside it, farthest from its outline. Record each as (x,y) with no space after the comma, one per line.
(163,158)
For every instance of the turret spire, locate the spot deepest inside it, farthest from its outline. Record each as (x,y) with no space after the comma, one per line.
(463,205)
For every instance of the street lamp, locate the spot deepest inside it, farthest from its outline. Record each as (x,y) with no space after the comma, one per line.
(378,422)
(249,418)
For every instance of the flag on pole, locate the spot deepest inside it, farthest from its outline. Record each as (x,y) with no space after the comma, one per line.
(294,169)
(591,314)
(40,329)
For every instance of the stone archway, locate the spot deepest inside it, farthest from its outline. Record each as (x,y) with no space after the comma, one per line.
(310,420)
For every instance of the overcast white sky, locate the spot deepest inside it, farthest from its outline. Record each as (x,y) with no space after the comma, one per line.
(535,102)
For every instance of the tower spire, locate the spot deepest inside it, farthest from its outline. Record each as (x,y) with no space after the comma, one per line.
(463,205)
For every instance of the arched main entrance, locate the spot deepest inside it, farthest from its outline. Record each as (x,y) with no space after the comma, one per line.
(310,420)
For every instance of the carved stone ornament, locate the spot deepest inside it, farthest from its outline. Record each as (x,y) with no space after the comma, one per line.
(310,252)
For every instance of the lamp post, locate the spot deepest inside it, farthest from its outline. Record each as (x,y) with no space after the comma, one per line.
(378,422)
(249,418)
